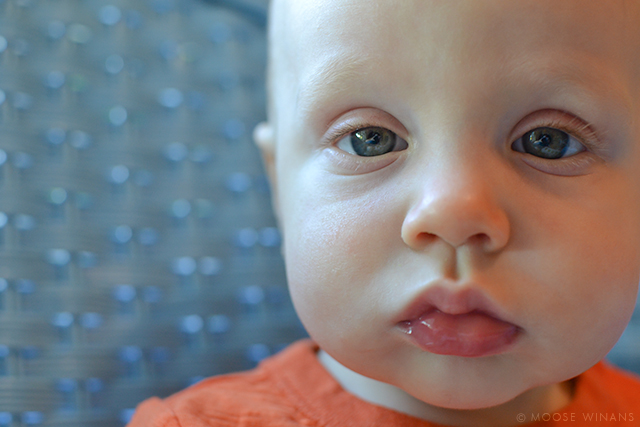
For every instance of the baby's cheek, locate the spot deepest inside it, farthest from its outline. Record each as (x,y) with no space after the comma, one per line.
(333,254)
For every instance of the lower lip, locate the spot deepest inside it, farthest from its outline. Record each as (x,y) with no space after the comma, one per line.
(473,334)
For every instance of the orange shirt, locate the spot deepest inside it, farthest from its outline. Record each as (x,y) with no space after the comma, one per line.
(293,389)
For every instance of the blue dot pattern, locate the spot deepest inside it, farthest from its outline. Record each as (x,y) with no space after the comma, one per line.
(138,250)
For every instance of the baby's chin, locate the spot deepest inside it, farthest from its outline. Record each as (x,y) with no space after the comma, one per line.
(494,393)
(468,399)
(497,403)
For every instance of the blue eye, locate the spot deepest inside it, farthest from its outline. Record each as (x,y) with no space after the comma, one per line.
(371,141)
(548,143)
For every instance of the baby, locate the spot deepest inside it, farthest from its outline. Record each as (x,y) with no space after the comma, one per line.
(458,187)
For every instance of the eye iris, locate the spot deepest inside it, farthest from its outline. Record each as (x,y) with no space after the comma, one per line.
(545,142)
(372,141)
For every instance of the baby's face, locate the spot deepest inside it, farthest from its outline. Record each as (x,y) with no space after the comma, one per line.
(467,171)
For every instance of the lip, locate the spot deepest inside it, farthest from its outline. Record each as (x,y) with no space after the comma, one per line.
(457,320)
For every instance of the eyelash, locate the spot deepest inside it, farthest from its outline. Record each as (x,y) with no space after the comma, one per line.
(584,132)
(559,120)
(348,163)
(336,135)
(581,130)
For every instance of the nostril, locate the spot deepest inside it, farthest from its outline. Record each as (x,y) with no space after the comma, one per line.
(425,238)
(467,219)
(480,239)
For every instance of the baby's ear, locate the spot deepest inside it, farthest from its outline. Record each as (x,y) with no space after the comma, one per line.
(264,137)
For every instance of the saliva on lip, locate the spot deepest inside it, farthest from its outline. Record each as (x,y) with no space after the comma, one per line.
(469,334)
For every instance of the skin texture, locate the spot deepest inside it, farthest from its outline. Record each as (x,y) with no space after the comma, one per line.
(553,244)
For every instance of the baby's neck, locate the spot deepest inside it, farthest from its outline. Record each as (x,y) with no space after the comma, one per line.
(542,399)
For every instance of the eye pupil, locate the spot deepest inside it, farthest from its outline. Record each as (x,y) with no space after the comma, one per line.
(373,141)
(546,142)
(369,136)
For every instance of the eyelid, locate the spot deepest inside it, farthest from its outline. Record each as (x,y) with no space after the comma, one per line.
(577,164)
(566,122)
(335,135)
(361,118)
(518,144)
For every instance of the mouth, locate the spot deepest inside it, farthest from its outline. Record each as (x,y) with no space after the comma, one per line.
(457,323)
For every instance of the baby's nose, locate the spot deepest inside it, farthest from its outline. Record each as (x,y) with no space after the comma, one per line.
(459,207)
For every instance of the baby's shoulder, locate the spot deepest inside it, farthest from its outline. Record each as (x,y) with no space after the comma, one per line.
(251,398)
(245,399)
(610,387)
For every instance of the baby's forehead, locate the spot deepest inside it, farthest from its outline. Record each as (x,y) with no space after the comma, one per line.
(302,27)
(305,33)
(322,52)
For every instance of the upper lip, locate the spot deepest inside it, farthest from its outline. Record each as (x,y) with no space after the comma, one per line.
(451,298)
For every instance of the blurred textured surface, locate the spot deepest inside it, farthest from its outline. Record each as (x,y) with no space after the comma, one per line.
(138,251)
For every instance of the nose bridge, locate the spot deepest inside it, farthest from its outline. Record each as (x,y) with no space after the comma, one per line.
(461,176)
(459,202)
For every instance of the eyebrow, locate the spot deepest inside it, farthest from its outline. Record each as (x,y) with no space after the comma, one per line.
(328,76)
(583,77)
